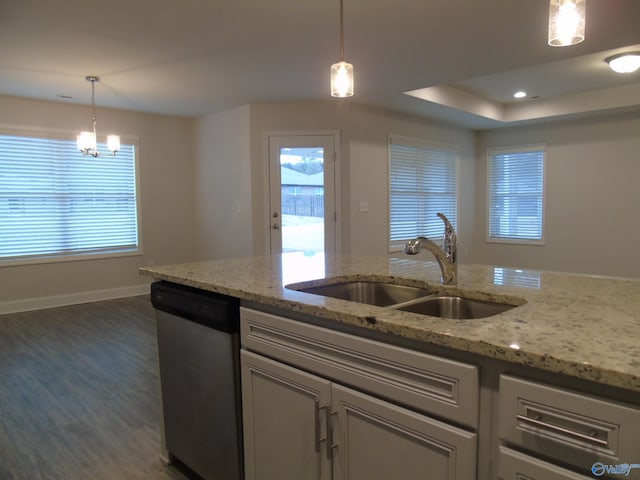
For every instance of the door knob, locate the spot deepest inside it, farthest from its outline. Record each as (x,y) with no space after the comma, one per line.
(275,226)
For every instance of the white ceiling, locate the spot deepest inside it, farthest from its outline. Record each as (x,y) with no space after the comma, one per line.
(193,57)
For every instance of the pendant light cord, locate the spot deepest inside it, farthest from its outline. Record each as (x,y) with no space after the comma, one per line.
(341,32)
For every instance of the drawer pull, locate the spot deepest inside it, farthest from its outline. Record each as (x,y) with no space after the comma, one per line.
(593,438)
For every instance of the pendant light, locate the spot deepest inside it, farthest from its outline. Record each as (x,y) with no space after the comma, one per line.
(87,141)
(566,22)
(341,72)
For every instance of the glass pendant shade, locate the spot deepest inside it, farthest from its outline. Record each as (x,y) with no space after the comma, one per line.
(342,79)
(566,22)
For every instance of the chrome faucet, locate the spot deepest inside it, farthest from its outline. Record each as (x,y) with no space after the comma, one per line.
(446,257)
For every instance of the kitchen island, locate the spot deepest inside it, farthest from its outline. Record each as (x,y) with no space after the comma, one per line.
(578,325)
(549,389)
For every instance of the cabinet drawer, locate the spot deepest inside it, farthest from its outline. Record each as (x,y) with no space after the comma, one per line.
(573,427)
(434,385)
(514,465)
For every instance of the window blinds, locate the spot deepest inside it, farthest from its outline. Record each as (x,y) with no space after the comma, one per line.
(422,182)
(516,189)
(55,201)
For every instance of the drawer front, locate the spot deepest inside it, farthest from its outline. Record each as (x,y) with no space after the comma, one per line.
(514,465)
(572,427)
(430,384)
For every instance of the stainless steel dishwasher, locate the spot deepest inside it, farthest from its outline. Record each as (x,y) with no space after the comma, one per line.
(199,354)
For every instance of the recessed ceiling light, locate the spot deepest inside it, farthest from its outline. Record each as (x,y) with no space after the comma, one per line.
(625,62)
(520,94)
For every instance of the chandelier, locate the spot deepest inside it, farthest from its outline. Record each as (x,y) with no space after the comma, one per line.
(87,141)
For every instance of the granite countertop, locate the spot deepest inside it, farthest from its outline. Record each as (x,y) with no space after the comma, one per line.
(578,325)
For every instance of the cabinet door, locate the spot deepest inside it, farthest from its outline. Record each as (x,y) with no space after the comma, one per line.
(284,415)
(375,440)
(518,466)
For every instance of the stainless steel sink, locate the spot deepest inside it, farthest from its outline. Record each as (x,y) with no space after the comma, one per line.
(381,294)
(460,308)
(424,300)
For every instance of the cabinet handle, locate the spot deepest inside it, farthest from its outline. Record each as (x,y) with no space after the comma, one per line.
(330,444)
(538,423)
(318,438)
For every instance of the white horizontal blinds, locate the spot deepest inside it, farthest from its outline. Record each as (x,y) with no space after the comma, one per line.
(54,200)
(516,187)
(423,182)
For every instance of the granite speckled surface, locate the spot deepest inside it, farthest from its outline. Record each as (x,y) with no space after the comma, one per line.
(583,326)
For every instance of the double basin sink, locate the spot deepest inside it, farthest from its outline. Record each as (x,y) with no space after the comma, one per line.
(422,300)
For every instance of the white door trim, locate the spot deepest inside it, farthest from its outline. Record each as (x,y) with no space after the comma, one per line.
(266,183)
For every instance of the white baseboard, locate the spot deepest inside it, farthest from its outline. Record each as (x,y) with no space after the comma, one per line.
(37,303)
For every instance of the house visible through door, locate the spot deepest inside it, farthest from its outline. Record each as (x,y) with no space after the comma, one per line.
(302,193)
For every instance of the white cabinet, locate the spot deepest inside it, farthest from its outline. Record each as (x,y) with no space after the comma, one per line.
(303,427)
(377,440)
(285,416)
(567,428)
(514,465)
(321,425)
(437,386)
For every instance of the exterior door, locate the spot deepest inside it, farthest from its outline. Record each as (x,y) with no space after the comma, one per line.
(302,193)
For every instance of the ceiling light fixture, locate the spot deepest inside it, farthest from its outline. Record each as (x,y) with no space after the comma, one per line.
(87,141)
(520,94)
(341,72)
(566,22)
(624,62)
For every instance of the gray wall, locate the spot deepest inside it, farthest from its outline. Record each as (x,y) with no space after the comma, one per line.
(363,166)
(222,185)
(592,197)
(166,172)
(204,186)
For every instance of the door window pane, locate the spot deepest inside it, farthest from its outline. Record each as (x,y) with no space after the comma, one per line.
(302,194)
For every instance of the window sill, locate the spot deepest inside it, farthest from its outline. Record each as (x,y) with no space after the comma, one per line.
(516,241)
(71,257)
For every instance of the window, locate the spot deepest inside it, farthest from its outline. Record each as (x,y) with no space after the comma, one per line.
(516,194)
(54,202)
(422,182)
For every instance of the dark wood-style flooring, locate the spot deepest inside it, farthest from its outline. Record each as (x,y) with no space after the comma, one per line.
(79,394)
